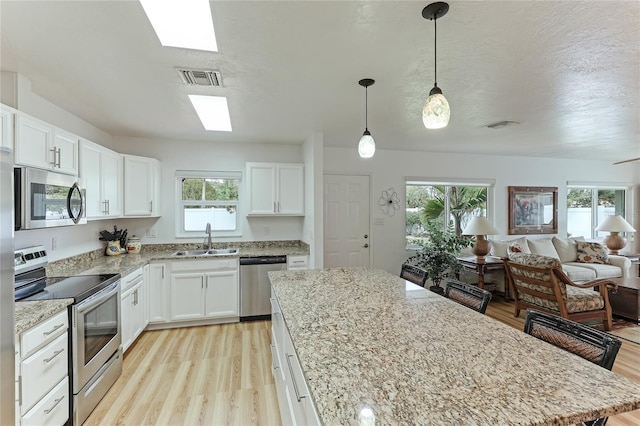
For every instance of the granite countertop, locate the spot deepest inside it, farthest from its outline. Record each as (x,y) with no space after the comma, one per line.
(368,338)
(98,263)
(28,314)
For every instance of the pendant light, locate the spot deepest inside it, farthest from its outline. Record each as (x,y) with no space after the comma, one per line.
(366,146)
(436,112)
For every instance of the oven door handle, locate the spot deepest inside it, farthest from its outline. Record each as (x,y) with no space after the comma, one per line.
(98,298)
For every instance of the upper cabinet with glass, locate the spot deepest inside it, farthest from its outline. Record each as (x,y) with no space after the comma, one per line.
(41,145)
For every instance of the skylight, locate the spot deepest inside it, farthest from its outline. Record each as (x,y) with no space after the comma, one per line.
(182,23)
(213,112)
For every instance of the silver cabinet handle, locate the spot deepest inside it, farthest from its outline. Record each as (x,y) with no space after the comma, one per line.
(55,327)
(55,354)
(293,379)
(278,206)
(108,207)
(59,157)
(53,151)
(273,365)
(274,207)
(56,402)
(151,206)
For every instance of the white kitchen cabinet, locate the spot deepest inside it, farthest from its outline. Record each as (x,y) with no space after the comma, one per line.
(141,186)
(158,287)
(101,169)
(294,399)
(6,126)
(275,189)
(297,262)
(39,144)
(133,307)
(204,289)
(43,370)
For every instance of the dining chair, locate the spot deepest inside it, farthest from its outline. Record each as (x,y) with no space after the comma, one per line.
(468,295)
(538,282)
(414,274)
(587,342)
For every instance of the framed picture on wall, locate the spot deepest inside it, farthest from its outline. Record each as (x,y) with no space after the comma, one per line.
(533,210)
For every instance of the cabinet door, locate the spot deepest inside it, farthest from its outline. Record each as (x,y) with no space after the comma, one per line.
(261,188)
(111,171)
(156,199)
(126,311)
(221,294)
(290,193)
(145,296)
(138,186)
(137,315)
(33,142)
(158,290)
(65,145)
(6,127)
(187,301)
(91,173)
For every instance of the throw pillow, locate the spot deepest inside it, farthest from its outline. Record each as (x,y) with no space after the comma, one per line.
(566,248)
(592,253)
(543,247)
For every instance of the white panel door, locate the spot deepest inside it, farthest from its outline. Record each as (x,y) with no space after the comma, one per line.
(346,221)
(222,294)
(187,301)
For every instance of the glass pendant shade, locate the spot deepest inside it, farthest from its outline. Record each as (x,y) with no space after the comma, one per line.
(436,112)
(366,146)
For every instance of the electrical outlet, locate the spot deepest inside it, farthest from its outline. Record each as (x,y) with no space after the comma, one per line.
(54,243)
(267,230)
(152,233)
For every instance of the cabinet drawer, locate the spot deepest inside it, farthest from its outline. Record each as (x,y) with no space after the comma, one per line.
(131,279)
(204,265)
(43,370)
(41,334)
(53,409)
(297,262)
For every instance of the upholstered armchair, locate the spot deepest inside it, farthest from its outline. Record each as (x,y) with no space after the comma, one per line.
(538,282)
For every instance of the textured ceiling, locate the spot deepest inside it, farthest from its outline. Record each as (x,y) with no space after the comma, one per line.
(568,71)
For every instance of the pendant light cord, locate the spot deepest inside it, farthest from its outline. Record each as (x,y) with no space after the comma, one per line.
(435,49)
(366,108)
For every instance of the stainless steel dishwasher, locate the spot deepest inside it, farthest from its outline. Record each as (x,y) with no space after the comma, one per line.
(255,287)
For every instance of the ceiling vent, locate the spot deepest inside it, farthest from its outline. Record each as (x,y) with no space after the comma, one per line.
(200,77)
(501,124)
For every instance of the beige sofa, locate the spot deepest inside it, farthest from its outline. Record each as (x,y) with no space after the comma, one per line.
(566,251)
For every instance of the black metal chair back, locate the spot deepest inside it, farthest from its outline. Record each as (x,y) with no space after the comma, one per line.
(596,346)
(414,274)
(468,295)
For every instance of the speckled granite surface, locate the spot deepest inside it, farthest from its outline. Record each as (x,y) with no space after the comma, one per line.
(28,314)
(96,262)
(365,337)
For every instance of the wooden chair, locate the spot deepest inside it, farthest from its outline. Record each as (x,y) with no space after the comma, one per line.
(593,345)
(538,282)
(414,274)
(468,295)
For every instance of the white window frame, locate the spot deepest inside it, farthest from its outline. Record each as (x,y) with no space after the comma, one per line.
(627,187)
(423,181)
(202,174)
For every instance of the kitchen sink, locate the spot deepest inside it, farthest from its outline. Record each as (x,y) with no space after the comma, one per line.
(212,252)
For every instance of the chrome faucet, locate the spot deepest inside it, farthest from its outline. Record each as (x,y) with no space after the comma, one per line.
(207,230)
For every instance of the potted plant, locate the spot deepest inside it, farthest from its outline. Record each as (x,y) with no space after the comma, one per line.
(438,255)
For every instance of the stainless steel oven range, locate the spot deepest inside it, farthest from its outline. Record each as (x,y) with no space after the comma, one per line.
(95,333)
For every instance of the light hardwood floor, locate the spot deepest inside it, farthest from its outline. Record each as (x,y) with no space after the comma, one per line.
(220,375)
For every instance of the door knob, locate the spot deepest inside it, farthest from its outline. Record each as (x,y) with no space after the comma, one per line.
(366,236)
(366,246)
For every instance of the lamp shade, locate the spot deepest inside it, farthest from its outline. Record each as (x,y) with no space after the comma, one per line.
(436,112)
(480,226)
(615,223)
(366,146)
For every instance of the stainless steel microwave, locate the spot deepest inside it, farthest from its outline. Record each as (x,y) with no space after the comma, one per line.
(46,199)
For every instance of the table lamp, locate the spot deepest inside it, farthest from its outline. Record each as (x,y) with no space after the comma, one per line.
(480,226)
(615,224)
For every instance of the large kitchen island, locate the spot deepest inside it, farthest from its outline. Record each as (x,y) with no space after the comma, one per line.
(372,348)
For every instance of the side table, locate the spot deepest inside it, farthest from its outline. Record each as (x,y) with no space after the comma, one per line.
(634,258)
(487,265)
(625,301)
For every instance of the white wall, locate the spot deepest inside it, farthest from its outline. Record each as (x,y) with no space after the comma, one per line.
(313,193)
(389,169)
(197,155)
